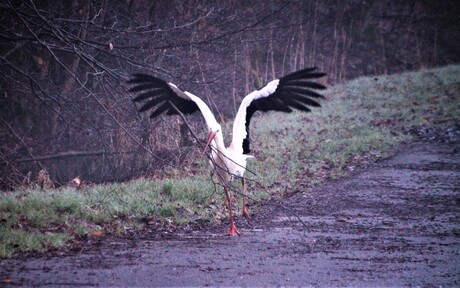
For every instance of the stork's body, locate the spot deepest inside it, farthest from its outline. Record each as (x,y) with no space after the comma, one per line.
(228,163)
(290,91)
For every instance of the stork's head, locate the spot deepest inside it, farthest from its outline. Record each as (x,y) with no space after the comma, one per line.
(212,133)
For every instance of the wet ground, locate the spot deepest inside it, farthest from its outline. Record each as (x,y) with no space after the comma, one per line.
(393,223)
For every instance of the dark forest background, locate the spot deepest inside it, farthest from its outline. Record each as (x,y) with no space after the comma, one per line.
(64,105)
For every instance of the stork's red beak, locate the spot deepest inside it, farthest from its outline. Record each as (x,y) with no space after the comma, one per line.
(211,136)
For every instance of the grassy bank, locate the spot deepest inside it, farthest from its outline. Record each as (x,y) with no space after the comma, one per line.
(358,123)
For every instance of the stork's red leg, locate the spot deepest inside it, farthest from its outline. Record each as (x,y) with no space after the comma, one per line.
(245,209)
(232,230)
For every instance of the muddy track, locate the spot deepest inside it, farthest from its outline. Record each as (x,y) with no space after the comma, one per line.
(393,223)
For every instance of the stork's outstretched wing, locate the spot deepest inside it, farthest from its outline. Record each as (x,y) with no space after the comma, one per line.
(160,95)
(293,91)
(163,96)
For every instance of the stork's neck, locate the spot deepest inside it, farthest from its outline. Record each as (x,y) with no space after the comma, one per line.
(220,145)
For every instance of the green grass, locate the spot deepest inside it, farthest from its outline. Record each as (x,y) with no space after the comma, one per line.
(40,220)
(358,123)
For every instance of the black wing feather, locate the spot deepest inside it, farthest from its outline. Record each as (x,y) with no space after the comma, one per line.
(302,98)
(146,86)
(298,90)
(294,91)
(309,84)
(161,97)
(160,109)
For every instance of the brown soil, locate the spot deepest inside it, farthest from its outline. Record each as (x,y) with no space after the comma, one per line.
(393,223)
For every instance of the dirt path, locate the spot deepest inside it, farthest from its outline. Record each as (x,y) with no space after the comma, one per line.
(395,223)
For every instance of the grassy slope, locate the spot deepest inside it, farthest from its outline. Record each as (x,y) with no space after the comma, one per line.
(358,123)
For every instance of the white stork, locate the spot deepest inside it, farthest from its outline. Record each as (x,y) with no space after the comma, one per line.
(291,91)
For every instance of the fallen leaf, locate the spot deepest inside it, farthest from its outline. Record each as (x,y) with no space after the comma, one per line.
(75,182)
(97,234)
(7,280)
